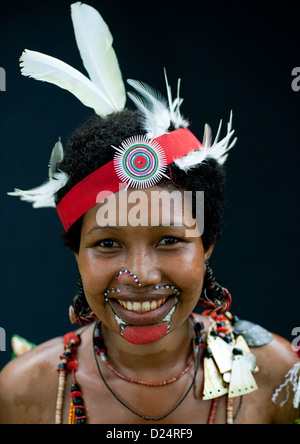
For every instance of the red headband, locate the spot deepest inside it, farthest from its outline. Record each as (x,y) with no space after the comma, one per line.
(83,196)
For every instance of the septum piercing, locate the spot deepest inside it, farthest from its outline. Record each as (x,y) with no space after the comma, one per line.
(136,280)
(134,276)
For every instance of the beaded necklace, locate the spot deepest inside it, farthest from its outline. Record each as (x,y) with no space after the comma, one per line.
(69,365)
(143,382)
(99,350)
(220,327)
(102,352)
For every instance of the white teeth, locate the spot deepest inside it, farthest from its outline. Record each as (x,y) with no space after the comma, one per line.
(142,307)
(146,306)
(136,306)
(153,305)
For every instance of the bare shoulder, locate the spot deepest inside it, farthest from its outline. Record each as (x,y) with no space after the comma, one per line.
(275,360)
(28,385)
(278,355)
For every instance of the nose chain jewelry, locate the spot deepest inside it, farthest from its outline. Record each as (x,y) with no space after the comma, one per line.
(157,287)
(130,274)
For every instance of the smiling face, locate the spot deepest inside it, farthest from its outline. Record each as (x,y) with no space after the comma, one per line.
(141,281)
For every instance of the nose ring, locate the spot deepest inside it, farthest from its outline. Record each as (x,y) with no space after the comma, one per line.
(133,276)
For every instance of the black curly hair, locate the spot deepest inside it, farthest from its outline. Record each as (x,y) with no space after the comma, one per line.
(89,148)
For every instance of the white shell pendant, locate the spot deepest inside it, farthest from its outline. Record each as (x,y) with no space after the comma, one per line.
(242,380)
(214,386)
(242,344)
(222,353)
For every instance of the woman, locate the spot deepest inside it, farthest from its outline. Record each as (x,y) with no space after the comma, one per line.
(126,192)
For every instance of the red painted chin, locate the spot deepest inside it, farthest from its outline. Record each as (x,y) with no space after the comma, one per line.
(145,334)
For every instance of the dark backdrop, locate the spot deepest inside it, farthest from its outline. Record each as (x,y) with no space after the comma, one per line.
(230,55)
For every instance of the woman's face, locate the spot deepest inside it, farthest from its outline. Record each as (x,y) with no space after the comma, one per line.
(142,273)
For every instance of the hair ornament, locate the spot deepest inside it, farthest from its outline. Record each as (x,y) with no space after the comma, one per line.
(217,150)
(159,113)
(43,196)
(140,162)
(104,91)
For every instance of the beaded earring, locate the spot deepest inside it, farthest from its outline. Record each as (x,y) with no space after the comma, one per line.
(214,296)
(80,312)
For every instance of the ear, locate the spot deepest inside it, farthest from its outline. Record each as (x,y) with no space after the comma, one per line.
(208,252)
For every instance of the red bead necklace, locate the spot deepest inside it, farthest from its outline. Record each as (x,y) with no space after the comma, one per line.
(147,383)
(99,350)
(69,365)
(102,352)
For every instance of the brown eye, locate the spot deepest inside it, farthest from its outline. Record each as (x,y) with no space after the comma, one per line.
(107,243)
(169,240)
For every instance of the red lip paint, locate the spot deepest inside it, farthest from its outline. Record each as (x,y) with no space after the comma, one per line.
(145,334)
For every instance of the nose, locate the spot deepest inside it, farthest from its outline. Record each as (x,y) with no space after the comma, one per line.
(140,269)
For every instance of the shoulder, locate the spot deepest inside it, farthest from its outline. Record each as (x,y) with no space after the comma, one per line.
(275,360)
(28,385)
(278,356)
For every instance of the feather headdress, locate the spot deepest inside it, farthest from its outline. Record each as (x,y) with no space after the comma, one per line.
(159,114)
(104,92)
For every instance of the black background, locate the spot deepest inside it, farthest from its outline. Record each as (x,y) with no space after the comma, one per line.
(230,55)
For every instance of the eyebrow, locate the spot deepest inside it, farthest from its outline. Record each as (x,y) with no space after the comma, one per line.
(117,229)
(107,228)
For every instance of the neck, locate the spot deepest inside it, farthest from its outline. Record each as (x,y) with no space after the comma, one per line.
(157,359)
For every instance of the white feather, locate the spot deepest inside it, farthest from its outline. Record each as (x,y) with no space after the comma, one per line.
(44,195)
(170,99)
(94,41)
(105,92)
(56,158)
(153,106)
(218,150)
(158,113)
(174,105)
(49,69)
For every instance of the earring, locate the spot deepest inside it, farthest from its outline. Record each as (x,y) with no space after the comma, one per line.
(80,312)
(214,296)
